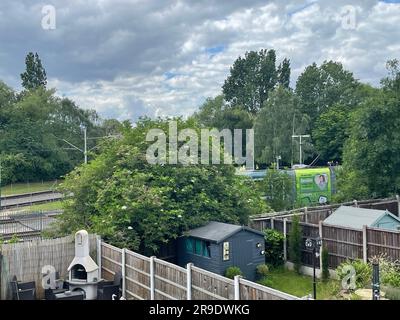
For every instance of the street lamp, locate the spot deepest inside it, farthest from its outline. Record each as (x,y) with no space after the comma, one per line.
(314,245)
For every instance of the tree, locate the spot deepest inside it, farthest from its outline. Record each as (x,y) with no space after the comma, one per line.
(142,206)
(34,75)
(319,88)
(274,126)
(371,152)
(278,188)
(252,78)
(325,263)
(284,73)
(330,132)
(214,113)
(295,243)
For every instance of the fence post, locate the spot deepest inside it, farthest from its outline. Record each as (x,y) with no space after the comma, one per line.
(355,202)
(152,277)
(320,226)
(98,243)
(189,281)
(398,205)
(272,223)
(236,285)
(123,272)
(284,240)
(365,252)
(306,215)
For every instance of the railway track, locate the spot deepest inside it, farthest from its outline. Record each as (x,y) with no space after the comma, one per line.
(27,199)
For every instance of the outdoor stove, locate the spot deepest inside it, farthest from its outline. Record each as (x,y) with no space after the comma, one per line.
(83,271)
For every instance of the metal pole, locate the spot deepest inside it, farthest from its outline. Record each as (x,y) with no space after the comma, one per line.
(375,281)
(85,144)
(300,157)
(314,278)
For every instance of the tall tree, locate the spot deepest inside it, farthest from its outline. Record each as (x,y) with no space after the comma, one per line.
(284,73)
(251,79)
(274,126)
(35,74)
(322,87)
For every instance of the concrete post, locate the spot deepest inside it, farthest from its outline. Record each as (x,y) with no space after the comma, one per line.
(272,223)
(98,245)
(189,281)
(152,279)
(320,227)
(284,239)
(123,272)
(236,284)
(306,215)
(365,245)
(398,205)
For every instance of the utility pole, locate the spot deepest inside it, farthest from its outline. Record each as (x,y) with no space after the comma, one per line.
(300,136)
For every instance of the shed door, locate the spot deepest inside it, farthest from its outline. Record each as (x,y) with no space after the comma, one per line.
(243,254)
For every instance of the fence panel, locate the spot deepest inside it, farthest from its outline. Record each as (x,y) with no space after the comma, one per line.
(137,271)
(253,291)
(342,244)
(170,281)
(210,286)
(381,242)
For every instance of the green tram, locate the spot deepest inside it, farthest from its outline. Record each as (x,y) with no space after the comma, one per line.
(311,185)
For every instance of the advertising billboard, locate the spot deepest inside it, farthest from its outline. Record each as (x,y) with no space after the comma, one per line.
(313,186)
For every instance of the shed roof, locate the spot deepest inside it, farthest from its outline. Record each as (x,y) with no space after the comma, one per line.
(356,218)
(219,231)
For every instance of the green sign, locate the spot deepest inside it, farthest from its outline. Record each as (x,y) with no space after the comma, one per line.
(313,186)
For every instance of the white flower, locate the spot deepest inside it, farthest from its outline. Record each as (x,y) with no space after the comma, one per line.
(123,207)
(130,228)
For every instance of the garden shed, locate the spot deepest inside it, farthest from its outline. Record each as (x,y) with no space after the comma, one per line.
(356,218)
(217,246)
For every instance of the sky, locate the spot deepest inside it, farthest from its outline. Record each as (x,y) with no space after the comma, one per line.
(130,58)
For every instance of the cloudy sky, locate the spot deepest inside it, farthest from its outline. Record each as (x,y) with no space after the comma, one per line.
(127,58)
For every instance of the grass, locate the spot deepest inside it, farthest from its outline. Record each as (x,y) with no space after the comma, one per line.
(48,206)
(17,188)
(299,285)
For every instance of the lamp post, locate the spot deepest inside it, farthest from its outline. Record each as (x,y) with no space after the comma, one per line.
(375,280)
(313,245)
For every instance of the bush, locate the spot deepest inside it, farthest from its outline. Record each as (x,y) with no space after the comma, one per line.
(389,272)
(262,270)
(391,293)
(273,247)
(295,244)
(363,272)
(325,264)
(231,272)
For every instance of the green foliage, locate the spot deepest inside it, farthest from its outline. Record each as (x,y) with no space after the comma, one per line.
(252,78)
(389,272)
(283,72)
(325,263)
(231,272)
(278,186)
(363,272)
(35,75)
(329,132)
(295,243)
(14,239)
(391,293)
(262,270)
(321,87)
(274,126)
(142,206)
(273,247)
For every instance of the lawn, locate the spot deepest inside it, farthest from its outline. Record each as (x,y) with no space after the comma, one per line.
(48,206)
(299,285)
(17,188)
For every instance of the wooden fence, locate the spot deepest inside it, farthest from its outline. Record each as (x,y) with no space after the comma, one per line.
(149,278)
(342,243)
(26,260)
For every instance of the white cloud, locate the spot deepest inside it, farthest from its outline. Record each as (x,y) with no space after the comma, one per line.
(131,58)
